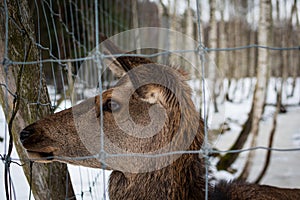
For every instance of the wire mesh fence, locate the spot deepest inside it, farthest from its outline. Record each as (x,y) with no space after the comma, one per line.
(52,44)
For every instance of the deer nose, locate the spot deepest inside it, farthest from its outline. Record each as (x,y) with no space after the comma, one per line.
(24,135)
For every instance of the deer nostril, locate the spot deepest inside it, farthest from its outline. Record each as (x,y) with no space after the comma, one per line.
(24,135)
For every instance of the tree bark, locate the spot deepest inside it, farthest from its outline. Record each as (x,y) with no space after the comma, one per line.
(48,181)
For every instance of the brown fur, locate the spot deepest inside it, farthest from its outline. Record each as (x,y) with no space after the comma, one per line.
(240,190)
(59,135)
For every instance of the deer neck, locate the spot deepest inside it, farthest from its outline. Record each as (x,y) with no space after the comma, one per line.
(181,179)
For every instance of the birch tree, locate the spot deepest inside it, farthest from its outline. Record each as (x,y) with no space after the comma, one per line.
(294,13)
(135,21)
(262,72)
(222,58)
(164,12)
(213,42)
(190,32)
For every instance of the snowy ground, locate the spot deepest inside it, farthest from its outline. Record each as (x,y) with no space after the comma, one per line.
(283,170)
(283,167)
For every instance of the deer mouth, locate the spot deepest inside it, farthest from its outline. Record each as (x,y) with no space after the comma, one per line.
(42,157)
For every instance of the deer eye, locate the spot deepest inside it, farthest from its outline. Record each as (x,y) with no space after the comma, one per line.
(112,105)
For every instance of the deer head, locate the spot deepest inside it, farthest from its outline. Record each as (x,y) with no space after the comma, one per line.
(132,126)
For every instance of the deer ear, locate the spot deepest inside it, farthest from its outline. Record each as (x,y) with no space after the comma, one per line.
(150,93)
(114,66)
(120,64)
(160,84)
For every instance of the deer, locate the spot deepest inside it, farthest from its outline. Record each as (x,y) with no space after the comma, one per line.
(132,129)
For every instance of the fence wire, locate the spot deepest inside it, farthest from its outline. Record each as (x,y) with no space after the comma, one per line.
(65,33)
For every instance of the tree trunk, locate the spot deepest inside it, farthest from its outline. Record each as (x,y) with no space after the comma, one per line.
(165,39)
(189,44)
(222,43)
(213,41)
(262,72)
(48,181)
(294,53)
(135,22)
(174,26)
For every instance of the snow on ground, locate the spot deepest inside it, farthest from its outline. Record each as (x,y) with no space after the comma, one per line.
(283,170)
(17,174)
(283,167)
